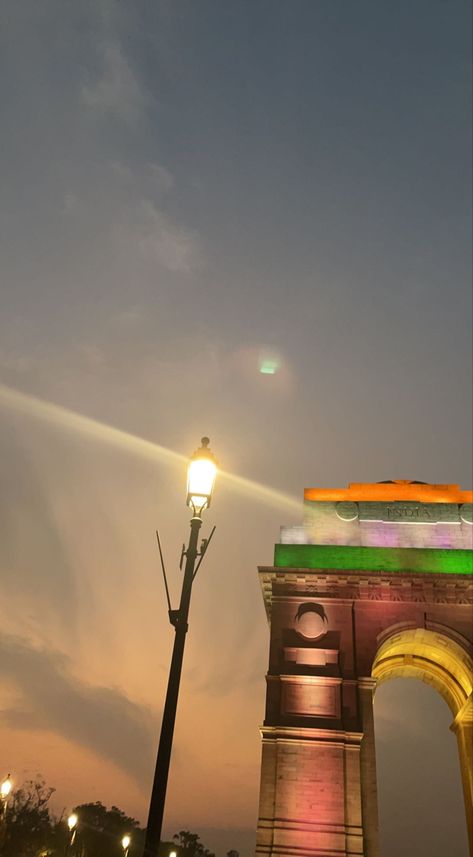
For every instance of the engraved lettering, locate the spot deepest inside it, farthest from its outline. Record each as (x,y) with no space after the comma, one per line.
(412,513)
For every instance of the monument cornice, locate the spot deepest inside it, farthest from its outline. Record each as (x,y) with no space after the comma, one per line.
(409,587)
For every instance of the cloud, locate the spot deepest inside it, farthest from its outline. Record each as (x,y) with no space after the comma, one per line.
(162,177)
(70,204)
(50,698)
(127,203)
(116,90)
(247,672)
(158,239)
(15,361)
(34,561)
(143,226)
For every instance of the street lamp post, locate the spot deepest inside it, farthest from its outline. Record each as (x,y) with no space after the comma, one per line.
(200,481)
(5,790)
(72,823)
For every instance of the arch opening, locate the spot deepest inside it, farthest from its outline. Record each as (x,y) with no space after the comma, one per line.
(432,657)
(447,666)
(419,782)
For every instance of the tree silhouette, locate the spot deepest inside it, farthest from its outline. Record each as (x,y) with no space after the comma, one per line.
(100,831)
(190,845)
(28,827)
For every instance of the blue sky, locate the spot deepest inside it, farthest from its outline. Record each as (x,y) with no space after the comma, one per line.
(186,188)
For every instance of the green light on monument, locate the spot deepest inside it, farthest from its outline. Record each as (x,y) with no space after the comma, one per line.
(354,558)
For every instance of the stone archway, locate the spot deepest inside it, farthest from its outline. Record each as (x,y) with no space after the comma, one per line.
(446,664)
(377,582)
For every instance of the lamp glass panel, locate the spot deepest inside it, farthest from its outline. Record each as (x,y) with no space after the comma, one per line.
(201,477)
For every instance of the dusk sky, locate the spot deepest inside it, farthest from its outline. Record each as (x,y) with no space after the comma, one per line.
(190,188)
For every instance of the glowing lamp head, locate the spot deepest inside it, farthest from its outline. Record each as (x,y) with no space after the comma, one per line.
(201,475)
(72,821)
(6,787)
(126,842)
(173,854)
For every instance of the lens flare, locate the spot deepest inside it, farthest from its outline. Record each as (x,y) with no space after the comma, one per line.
(103,433)
(269,362)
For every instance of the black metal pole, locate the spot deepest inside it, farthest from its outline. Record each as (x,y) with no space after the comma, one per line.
(158,794)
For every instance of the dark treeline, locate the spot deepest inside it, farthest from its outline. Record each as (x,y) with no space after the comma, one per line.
(29,828)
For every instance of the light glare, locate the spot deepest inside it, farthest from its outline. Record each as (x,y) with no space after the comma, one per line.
(72,821)
(53,414)
(201,480)
(201,473)
(6,787)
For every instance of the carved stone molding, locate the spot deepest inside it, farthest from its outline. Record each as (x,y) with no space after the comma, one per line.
(435,588)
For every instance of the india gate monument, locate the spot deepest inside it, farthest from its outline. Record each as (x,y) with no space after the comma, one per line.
(376,583)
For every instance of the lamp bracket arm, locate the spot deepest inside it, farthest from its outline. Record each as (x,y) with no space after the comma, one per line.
(170,610)
(203,551)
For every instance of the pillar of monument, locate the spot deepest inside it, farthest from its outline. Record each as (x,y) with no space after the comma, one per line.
(463,728)
(311,803)
(369,787)
(310,797)
(318,785)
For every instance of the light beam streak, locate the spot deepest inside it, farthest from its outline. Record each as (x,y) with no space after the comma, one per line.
(57,415)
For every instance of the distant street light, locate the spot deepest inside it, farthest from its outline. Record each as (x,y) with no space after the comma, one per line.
(6,787)
(201,475)
(72,823)
(126,844)
(5,790)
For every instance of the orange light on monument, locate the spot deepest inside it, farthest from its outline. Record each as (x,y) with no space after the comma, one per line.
(201,475)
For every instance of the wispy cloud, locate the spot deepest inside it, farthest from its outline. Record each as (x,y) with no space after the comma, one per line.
(162,177)
(116,89)
(145,233)
(162,241)
(49,697)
